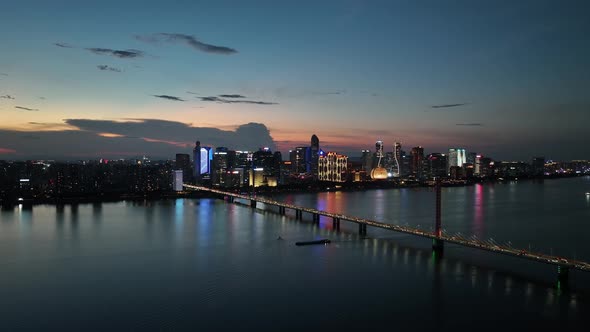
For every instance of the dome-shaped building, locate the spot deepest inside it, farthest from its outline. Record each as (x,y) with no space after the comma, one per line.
(378,173)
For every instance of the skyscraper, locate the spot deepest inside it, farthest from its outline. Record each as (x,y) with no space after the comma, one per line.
(197,162)
(183,163)
(397,155)
(314,149)
(366,161)
(300,159)
(417,161)
(457,157)
(332,167)
(538,166)
(177,180)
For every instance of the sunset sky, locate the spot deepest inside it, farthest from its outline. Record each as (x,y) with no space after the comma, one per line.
(508,79)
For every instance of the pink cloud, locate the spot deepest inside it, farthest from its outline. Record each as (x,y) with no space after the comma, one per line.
(5,150)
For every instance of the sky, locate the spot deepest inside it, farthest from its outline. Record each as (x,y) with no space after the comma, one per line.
(117,79)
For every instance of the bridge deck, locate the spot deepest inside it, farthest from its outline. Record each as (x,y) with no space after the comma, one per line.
(543,258)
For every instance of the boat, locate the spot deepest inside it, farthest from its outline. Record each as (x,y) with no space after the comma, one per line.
(306,243)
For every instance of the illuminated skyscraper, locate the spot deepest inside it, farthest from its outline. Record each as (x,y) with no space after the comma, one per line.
(456,157)
(177,180)
(332,167)
(397,155)
(378,172)
(197,162)
(314,150)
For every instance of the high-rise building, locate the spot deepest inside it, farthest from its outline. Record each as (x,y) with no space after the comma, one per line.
(222,165)
(378,172)
(436,165)
(366,161)
(538,166)
(332,167)
(269,165)
(197,162)
(405,163)
(417,161)
(397,155)
(183,163)
(314,150)
(205,158)
(177,180)
(470,159)
(456,157)
(300,159)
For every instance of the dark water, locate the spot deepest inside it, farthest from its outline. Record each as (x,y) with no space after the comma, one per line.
(204,265)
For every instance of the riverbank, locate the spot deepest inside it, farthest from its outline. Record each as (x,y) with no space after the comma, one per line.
(291,188)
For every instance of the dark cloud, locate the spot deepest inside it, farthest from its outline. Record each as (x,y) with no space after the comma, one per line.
(449,105)
(64,45)
(169,97)
(192,41)
(232,96)
(469,124)
(26,109)
(7,97)
(123,54)
(326,93)
(42,98)
(108,68)
(192,93)
(230,101)
(3,74)
(156,138)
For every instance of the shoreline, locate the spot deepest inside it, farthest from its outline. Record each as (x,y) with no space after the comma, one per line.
(316,187)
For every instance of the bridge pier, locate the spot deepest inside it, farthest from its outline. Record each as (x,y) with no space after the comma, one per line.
(563,273)
(230,199)
(336,223)
(253,204)
(282,210)
(298,214)
(438,246)
(363,229)
(316,218)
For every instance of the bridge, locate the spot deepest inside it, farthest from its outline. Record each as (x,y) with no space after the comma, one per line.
(438,237)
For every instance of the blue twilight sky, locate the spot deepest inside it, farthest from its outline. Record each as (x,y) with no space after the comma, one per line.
(509,79)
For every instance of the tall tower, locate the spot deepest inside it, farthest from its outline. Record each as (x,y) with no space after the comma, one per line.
(397,155)
(197,162)
(417,155)
(315,149)
(378,172)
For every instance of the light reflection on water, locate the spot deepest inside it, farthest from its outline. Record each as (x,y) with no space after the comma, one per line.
(210,257)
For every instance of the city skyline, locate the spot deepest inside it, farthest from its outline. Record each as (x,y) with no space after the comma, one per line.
(512,86)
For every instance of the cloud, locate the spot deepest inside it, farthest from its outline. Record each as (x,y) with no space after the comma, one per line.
(169,97)
(232,96)
(230,101)
(192,41)
(326,93)
(123,54)
(7,97)
(469,124)
(6,150)
(155,138)
(108,68)
(3,74)
(27,109)
(63,45)
(449,105)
